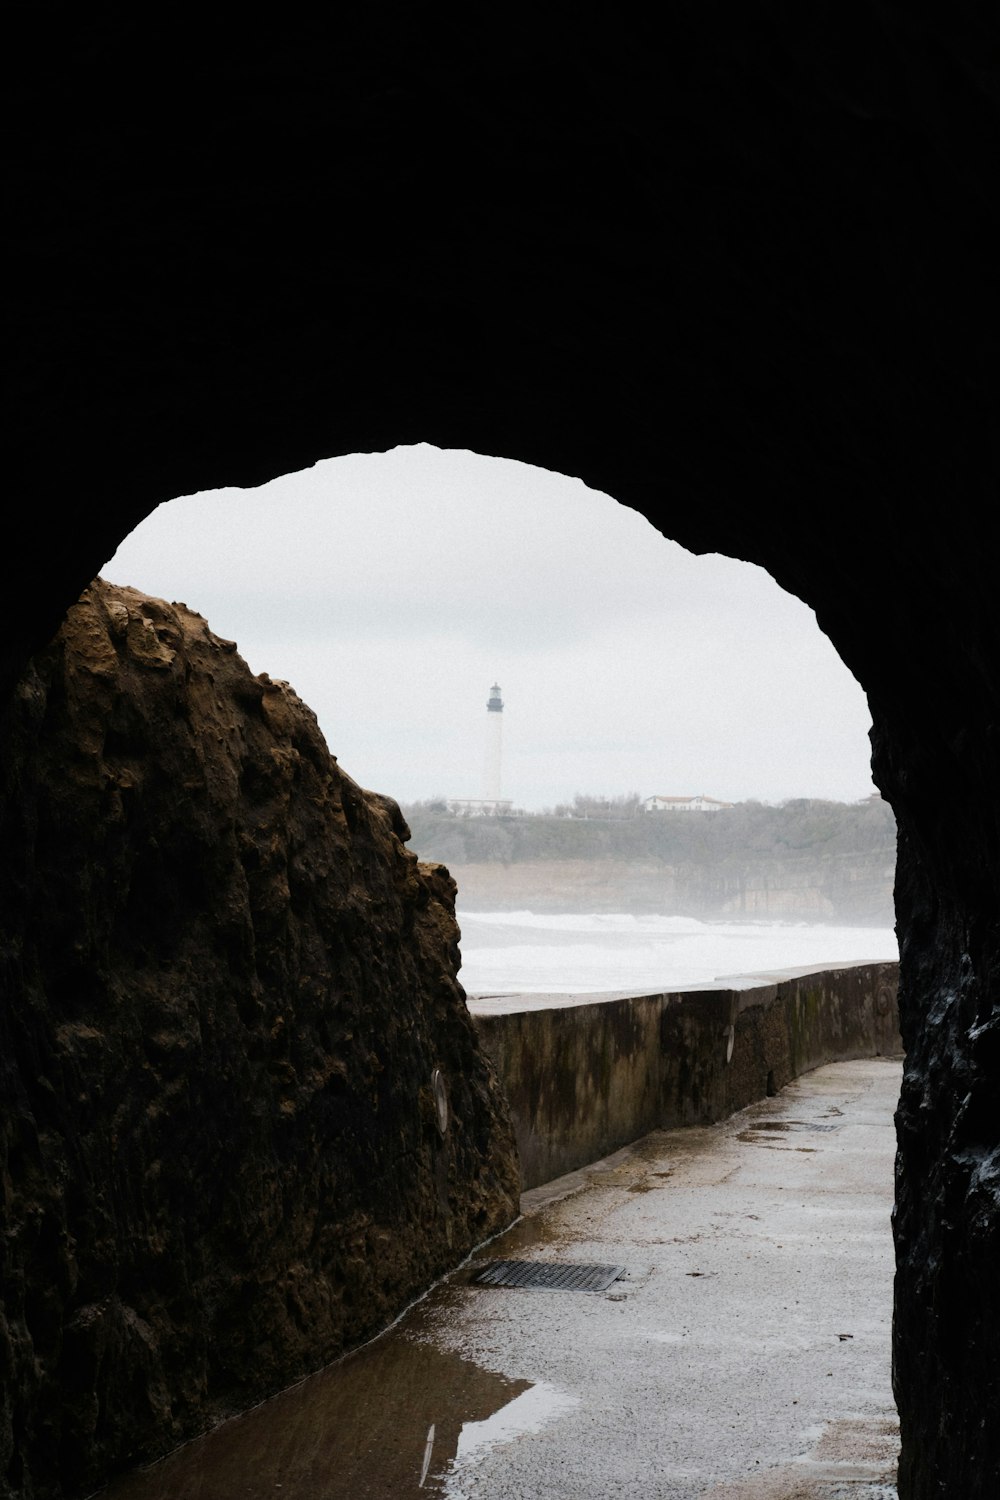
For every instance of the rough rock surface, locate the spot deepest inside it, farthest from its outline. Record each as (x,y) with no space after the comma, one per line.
(736,266)
(227,987)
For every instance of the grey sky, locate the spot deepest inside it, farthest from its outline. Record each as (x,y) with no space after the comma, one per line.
(391,589)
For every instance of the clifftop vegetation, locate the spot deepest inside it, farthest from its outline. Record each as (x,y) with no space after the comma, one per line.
(597,828)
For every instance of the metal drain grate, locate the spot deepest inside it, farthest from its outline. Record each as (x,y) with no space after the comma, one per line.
(548,1276)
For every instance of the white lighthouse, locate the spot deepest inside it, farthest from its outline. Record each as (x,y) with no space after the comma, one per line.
(494,733)
(490,804)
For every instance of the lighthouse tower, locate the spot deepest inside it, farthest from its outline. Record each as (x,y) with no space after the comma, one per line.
(494,729)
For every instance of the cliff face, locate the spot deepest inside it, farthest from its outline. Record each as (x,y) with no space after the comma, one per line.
(227,1149)
(806,859)
(838,890)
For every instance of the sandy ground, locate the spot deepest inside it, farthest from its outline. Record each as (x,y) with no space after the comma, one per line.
(744,1355)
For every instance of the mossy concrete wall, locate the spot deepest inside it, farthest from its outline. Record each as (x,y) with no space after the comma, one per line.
(586,1075)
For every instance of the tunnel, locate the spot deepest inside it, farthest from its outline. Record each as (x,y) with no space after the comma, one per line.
(737,271)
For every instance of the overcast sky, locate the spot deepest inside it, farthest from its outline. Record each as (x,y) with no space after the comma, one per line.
(392,589)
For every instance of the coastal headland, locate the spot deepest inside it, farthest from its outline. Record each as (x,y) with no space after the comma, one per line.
(802,860)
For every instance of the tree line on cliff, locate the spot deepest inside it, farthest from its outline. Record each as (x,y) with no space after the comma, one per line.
(615,829)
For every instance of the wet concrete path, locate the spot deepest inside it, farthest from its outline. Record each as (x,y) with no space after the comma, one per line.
(744,1356)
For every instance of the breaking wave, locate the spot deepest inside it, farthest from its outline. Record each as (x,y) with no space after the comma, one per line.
(533,953)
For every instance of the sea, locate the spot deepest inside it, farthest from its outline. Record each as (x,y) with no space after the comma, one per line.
(522,952)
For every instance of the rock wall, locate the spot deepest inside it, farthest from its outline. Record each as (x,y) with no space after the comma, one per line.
(946,1220)
(227,992)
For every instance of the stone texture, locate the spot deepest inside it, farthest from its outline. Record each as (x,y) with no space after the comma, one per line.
(737,269)
(227,986)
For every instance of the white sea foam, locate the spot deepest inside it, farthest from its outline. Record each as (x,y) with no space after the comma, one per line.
(532,953)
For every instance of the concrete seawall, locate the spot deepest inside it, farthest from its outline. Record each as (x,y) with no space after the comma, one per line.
(586,1074)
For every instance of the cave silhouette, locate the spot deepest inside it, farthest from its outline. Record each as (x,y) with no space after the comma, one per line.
(738,272)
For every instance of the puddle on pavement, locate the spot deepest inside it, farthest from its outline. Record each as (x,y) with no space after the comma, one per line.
(390,1419)
(528,1412)
(757,1134)
(534,1231)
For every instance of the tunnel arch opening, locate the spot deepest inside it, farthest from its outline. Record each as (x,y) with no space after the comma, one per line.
(388,589)
(262,659)
(442,548)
